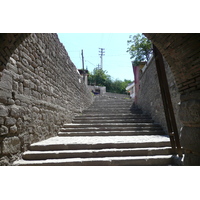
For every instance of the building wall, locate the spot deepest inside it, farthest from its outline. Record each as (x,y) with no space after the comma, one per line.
(149,96)
(40,90)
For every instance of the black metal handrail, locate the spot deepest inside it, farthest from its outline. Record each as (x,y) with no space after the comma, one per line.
(167,103)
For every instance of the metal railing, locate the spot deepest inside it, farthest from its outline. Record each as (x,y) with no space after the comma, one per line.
(167,103)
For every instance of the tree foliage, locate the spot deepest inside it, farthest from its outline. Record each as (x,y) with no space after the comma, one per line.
(139,48)
(100,77)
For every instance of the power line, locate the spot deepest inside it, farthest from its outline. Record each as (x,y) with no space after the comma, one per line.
(90,62)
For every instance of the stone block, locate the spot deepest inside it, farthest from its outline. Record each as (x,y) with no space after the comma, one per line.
(3,111)
(10,121)
(26,83)
(13,129)
(25,62)
(1,120)
(3,130)
(33,64)
(11,145)
(21,88)
(13,61)
(24,55)
(10,101)
(15,86)
(15,57)
(11,67)
(27,91)
(6,81)
(21,78)
(15,112)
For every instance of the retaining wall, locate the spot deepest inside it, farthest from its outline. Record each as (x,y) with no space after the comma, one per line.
(40,90)
(149,98)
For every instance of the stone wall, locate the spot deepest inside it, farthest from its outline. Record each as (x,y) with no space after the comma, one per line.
(40,90)
(149,98)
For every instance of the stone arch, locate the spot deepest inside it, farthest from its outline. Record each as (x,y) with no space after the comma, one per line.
(182,53)
(8,43)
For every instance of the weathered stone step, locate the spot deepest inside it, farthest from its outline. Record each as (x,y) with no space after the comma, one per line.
(111,133)
(113,100)
(85,129)
(92,153)
(113,108)
(159,160)
(113,121)
(112,105)
(76,125)
(100,142)
(86,117)
(105,112)
(111,115)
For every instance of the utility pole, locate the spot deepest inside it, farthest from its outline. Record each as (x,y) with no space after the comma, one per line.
(83,65)
(102,53)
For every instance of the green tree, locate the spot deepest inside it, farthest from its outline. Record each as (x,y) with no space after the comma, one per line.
(139,48)
(100,77)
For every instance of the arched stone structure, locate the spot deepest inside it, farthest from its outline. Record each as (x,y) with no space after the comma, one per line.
(182,52)
(8,43)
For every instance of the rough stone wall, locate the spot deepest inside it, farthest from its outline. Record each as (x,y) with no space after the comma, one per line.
(40,90)
(150,100)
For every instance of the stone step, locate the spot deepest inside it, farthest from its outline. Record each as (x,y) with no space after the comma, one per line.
(113,121)
(93,153)
(105,112)
(106,125)
(158,160)
(100,142)
(119,129)
(124,115)
(134,116)
(112,109)
(103,107)
(111,133)
(112,105)
(113,100)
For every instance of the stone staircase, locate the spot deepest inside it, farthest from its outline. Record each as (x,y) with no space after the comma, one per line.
(111,132)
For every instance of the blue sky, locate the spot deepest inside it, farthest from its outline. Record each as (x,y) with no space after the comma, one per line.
(116,61)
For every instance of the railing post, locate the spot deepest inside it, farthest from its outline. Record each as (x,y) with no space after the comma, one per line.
(167,103)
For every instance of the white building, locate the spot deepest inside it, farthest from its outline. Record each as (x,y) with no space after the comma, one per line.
(131,89)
